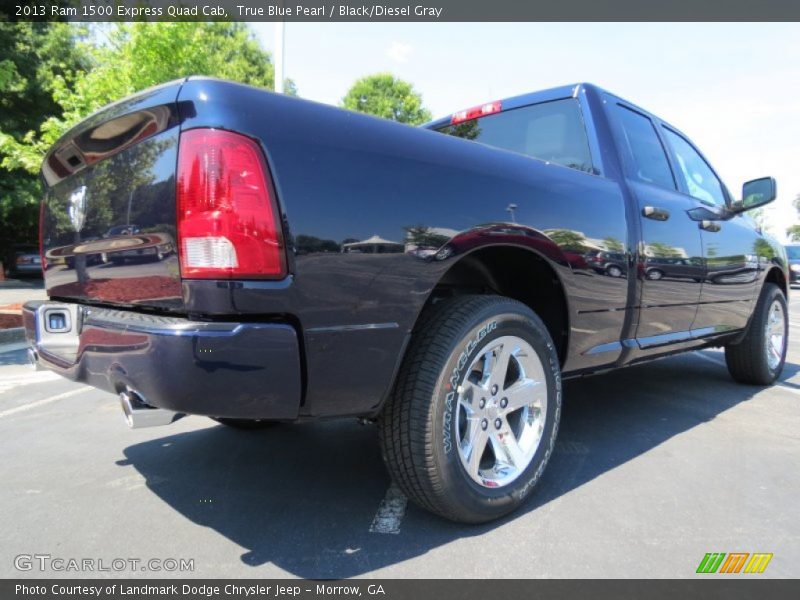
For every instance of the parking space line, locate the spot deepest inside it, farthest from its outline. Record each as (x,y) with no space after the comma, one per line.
(722,364)
(28,378)
(24,407)
(786,388)
(15,347)
(391,512)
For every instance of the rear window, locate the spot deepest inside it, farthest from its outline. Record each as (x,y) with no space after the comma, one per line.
(551,131)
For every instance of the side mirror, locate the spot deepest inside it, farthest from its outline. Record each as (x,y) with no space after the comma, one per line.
(755,193)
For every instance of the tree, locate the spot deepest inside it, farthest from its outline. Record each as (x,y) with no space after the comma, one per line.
(384,95)
(139,55)
(612,244)
(567,239)
(422,236)
(663,250)
(31,56)
(309,244)
(794,231)
(53,75)
(759,215)
(762,248)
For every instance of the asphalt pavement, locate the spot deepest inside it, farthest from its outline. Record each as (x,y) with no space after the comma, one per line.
(19,291)
(656,465)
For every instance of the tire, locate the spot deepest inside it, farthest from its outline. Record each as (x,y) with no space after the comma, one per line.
(245,424)
(424,426)
(614,271)
(759,358)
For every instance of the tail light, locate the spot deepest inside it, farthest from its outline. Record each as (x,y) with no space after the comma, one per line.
(476,112)
(228,224)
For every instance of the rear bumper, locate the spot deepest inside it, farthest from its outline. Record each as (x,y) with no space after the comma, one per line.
(236,370)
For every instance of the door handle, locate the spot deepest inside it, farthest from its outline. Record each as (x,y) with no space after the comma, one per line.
(655,213)
(707,225)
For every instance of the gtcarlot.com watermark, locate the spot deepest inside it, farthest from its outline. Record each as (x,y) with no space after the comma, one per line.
(60,564)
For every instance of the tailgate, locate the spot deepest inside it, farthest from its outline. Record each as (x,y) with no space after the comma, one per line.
(108,214)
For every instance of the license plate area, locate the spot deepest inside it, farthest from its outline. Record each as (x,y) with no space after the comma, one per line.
(58,328)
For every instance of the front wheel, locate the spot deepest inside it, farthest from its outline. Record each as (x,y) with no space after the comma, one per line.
(473,417)
(758,359)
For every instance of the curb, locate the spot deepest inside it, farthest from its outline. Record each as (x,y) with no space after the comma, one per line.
(12,336)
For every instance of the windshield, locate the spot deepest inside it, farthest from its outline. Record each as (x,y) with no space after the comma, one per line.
(793,252)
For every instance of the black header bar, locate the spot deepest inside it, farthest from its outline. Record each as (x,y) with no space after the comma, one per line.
(402,11)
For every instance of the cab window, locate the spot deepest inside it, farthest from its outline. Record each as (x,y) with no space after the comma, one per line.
(700,181)
(552,131)
(644,149)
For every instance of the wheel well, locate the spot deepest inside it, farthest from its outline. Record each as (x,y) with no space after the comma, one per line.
(516,273)
(776,276)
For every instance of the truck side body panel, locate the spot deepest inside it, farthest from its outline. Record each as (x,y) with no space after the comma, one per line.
(341,175)
(375,216)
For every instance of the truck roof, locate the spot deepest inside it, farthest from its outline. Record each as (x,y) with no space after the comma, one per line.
(556,93)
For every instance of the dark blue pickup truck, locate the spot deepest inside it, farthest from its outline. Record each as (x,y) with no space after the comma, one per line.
(214,249)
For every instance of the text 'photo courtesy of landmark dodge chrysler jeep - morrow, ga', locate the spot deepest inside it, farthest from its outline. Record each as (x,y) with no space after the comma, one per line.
(438,280)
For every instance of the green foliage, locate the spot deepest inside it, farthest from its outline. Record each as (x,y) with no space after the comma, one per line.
(663,250)
(32,55)
(309,244)
(468,130)
(52,75)
(794,231)
(567,239)
(759,215)
(424,237)
(384,95)
(614,245)
(135,56)
(763,248)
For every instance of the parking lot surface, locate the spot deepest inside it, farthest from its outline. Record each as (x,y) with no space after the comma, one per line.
(655,466)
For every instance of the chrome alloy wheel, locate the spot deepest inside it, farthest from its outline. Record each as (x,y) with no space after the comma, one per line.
(775,335)
(502,407)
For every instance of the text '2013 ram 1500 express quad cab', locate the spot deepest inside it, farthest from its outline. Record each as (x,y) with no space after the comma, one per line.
(440,280)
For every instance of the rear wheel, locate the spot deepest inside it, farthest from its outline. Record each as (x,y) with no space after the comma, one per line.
(473,417)
(759,358)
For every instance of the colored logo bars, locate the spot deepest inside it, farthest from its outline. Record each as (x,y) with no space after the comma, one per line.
(736,562)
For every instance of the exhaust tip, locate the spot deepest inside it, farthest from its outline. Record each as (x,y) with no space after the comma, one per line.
(127,408)
(138,414)
(33,359)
